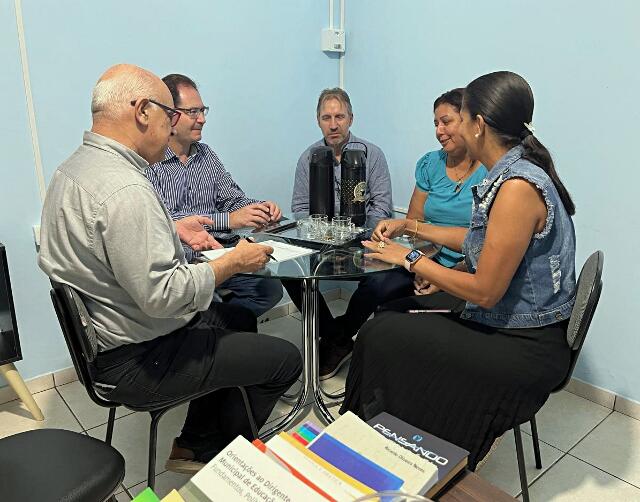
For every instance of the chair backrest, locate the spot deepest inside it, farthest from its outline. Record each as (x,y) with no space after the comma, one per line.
(588,289)
(79,334)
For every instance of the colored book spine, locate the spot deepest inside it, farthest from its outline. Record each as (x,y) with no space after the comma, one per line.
(355,465)
(264,449)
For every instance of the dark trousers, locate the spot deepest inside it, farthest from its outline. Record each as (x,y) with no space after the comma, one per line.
(373,290)
(218,349)
(254,293)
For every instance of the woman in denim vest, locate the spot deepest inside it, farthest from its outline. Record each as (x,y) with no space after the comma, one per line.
(471,374)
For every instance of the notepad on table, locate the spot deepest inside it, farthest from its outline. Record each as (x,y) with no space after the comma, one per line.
(281,251)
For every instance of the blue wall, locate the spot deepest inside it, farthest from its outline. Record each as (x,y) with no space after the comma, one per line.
(42,345)
(260,69)
(581,60)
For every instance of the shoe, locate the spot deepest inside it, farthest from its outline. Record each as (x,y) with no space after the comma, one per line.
(332,357)
(183,460)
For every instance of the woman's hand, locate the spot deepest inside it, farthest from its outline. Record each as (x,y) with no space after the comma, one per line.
(422,286)
(386,250)
(389,229)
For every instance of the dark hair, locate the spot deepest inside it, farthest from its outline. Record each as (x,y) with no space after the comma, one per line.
(334,93)
(174,81)
(505,101)
(452,97)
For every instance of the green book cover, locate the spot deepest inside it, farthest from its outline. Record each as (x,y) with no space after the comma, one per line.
(146,496)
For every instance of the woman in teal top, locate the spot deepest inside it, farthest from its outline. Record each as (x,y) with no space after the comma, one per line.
(448,203)
(444,178)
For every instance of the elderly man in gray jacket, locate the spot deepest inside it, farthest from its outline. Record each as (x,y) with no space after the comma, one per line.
(105,232)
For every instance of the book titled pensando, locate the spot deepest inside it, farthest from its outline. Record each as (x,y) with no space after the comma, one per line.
(447,457)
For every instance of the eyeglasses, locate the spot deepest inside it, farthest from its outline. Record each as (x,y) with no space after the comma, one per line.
(172,113)
(194,113)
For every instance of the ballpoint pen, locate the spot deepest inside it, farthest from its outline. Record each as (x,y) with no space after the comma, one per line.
(252,241)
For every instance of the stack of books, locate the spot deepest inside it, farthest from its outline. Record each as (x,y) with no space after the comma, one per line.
(348,459)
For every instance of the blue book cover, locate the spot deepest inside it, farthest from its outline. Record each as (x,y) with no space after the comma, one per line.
(355,465)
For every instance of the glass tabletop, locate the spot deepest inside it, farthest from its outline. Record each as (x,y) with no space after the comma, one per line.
(344,260)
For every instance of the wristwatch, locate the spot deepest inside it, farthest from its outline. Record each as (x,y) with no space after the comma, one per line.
(411,258)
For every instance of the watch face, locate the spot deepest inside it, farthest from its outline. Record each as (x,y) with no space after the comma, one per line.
(413,256)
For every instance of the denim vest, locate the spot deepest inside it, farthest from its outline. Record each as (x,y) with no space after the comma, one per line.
(542,290)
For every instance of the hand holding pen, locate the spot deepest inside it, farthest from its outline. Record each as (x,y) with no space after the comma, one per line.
(269,254)
(248,257)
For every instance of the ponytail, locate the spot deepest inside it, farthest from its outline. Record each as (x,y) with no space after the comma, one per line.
(505,102)
(536,153)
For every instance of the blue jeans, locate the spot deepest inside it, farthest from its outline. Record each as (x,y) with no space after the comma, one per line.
(254,293)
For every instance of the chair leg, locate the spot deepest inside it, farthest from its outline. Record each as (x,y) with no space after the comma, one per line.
(153,440)
(250,418)
(13,378)
(536,443)
(110,422)
(521,468)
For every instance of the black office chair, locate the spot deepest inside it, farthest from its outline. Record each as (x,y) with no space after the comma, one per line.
(55,464)
(82,342)
(588,291)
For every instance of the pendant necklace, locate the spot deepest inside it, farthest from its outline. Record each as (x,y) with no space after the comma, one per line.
(459,181)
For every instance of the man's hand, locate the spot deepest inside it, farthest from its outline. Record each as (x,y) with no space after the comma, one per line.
(248,256)
(245,257)
(253,215)
(192,232)
(274,211)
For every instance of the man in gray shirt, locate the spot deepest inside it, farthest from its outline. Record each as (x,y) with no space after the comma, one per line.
(105,232)
(335,117)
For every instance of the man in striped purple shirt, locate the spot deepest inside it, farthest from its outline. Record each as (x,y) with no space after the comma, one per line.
(191,180)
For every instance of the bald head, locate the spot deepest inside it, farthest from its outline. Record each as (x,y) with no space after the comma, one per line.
(134,107)
(121,84)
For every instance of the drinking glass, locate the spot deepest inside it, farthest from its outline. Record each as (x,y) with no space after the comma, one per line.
(341,227)
(307,229)
(319,219)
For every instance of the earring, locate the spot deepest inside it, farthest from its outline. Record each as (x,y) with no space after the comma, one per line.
(476,135)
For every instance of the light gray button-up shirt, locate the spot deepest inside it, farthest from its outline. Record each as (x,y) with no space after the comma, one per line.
(105,232)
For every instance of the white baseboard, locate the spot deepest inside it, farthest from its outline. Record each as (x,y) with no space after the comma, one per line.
(582,389)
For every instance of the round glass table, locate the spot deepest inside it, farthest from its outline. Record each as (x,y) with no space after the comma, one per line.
(329,261)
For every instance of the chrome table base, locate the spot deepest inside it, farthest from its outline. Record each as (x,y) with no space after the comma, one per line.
(310,379)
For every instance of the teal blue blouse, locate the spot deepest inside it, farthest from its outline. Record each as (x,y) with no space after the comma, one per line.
(445,206)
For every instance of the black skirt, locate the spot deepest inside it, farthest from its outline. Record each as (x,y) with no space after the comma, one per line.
(462,381)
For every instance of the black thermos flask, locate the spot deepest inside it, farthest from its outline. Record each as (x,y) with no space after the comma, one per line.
(321,182)
(353,185)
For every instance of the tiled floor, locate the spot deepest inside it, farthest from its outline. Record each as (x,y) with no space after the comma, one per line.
(588,451)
